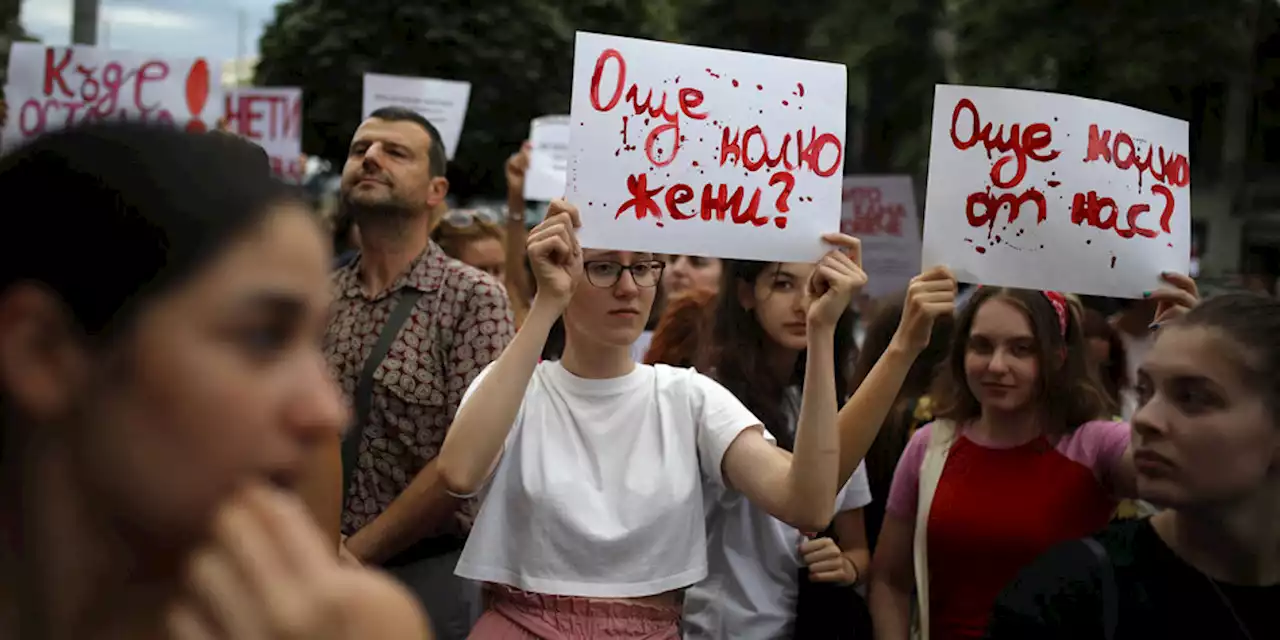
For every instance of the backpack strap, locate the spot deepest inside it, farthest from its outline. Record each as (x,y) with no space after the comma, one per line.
(364,387)
(942,434)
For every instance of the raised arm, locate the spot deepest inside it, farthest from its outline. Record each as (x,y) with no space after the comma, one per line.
(517,279)
(800,489)
(931,294)
(475,440)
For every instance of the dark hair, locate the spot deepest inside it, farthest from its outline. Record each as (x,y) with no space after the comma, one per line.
(437,158)
(1252,321)
(1068,394)
(1115,375)
(735,352)
(252,153)
(141,207)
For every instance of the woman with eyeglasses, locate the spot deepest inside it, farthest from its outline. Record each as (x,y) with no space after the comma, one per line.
(601,463)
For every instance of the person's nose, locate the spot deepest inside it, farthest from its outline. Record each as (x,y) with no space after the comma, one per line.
(1150,421)
(371,162)
(800,303)
(999,361)
(316,408)
(626,288)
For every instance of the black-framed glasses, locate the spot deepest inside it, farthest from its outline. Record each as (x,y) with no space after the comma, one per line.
(462,218)
(606,273)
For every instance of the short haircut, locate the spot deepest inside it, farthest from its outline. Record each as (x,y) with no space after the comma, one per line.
(436,157)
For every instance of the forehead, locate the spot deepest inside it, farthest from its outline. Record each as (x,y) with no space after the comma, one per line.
(486,247)
(401,132)
(1001,318)
(1196,352)
(625,257)
(286,255)
(798,270)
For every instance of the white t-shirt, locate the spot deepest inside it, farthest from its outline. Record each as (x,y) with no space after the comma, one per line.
(641,346)
(753,583)
(599,491)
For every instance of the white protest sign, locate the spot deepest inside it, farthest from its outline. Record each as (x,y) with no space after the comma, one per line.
(441,102)
(689,150)
(271,117)
(1046,191)
(54,87)
(548,158)
(881,212)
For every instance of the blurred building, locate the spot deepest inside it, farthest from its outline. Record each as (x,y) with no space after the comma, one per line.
(239,71)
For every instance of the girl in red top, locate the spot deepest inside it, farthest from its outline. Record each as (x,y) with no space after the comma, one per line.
(1030,464)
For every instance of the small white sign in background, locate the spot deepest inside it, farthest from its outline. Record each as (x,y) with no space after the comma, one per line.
(689,150)
(1047,191)
(548,158)
(441,102)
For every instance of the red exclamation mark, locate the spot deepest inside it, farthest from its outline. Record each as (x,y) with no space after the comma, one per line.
(197,94)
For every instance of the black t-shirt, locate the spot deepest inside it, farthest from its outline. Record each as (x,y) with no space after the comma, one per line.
(1059,596)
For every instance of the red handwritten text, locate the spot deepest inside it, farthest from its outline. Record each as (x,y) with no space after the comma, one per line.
(283,117)
(982,208)
(736,147)
(76,93)
(1122,152)
(872,217)
(1030,142)
(1104,213)
(717,202)
(688,99)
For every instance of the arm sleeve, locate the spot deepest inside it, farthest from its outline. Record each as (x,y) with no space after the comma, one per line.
(1099,445)
(720,419)
(905,490)
(856,493)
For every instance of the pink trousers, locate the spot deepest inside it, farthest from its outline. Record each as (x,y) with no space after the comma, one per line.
(513,614)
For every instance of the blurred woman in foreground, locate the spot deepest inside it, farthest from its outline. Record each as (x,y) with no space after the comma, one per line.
(159,409)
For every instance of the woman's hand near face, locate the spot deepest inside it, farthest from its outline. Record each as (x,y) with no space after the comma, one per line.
(268,574)
(837,277)
(555,254)
(1176,298)
(931,294)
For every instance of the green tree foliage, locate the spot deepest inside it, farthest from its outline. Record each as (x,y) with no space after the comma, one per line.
(517,54)
(1173,57)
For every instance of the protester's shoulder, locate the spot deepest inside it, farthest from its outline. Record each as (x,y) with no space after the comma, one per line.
(1067,566)
(1061,574)
(920,437)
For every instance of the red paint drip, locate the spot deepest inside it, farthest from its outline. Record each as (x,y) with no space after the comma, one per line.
(735,83)
(1113,262)
(980,249)
(1054,183)
(197,91)
(800,87)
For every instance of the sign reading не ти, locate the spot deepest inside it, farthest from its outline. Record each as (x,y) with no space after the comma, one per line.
(688,150)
